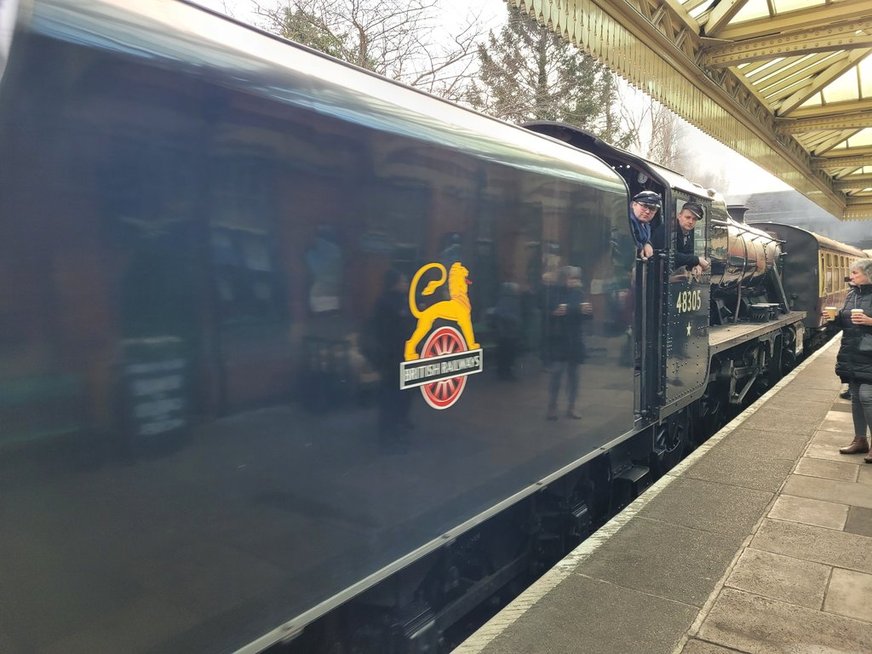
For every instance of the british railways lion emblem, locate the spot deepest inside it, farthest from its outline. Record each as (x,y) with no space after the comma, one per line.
(449,353)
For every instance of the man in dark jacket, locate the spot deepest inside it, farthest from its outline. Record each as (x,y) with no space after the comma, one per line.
(854,360)
(564,341)
(690,213)
(391,325)
(643,210)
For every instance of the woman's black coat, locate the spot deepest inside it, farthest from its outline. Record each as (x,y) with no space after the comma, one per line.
(854,360)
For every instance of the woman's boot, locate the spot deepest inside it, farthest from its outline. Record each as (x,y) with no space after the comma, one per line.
(858,446)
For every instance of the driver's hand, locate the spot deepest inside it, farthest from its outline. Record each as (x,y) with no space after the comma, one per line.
(646,252)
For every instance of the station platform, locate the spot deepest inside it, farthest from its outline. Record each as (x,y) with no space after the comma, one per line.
(759,542)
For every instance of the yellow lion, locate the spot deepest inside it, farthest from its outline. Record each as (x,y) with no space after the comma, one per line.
(457,309)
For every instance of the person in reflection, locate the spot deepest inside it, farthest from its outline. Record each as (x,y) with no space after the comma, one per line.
(507,327)
(564,346)
(643,210)
(687,218)
(854,359)
(392,324)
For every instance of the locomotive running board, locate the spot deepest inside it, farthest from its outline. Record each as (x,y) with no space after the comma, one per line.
(724,337)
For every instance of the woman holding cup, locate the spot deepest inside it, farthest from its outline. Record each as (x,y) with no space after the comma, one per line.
(854,360)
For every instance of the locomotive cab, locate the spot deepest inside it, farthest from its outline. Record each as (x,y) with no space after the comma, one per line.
(671,298)
(706,342)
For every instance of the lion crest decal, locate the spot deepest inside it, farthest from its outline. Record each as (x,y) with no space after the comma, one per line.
(442,351)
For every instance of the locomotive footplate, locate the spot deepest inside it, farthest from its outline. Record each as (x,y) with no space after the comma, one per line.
(723,337)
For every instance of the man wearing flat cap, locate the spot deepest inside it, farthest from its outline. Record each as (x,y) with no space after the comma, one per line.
(690,213)
(643,209)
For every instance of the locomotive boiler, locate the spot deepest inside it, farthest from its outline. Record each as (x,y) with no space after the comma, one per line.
(745,280)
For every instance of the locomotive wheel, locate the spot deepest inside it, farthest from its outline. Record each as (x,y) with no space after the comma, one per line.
(788,351)
(672,441)
(442,394)
(712,411)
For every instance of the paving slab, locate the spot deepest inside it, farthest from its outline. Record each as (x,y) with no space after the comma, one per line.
(694,646)
(849,594)
(781,577)
(769,444)
(688,565)
(742,468)
(759,625)
(840,417)
(802,419)
(829,490)
(765,444)
(841,426)
(864,473)
(840,470)
(792,395)
(833,440)
(830,452)
(788,404)
(818,544)
(705,505)
(859,521)
(810,512)
(605,619)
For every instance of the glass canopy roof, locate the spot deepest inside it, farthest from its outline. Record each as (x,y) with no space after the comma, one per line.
(810,63)
(786,83)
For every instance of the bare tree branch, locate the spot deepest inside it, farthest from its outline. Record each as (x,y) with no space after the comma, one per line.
(401,39)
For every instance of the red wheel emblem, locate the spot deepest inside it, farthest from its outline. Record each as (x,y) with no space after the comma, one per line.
(442,394)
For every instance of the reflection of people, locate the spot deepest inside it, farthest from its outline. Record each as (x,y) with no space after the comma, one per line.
(451,250)
(324,260)
(392,324)
(564,346)
(684,254)
(854,360)
(507,328)
(643,210)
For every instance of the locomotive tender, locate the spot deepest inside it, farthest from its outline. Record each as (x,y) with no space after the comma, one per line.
(274,359)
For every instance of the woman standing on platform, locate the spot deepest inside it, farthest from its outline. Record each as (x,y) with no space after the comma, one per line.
(854,360)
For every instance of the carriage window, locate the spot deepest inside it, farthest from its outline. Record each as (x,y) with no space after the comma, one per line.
(821,276)
(829,273)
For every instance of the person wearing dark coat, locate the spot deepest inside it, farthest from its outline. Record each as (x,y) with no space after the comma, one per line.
(854,360)
(392,324)
(508,328)
(564,346)
(643,210)
(690,213)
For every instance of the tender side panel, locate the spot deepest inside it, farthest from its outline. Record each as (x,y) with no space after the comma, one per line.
(205,293)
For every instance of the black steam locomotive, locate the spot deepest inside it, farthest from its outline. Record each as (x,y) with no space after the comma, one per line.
(294,354)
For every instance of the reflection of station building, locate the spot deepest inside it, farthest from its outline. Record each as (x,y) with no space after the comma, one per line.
(259,260)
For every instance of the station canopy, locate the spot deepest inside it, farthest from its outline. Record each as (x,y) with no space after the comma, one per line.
(785,83)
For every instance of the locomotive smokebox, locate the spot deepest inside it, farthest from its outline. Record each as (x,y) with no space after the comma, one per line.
(737,212)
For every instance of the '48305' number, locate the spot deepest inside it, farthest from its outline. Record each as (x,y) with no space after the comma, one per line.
(689,301)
